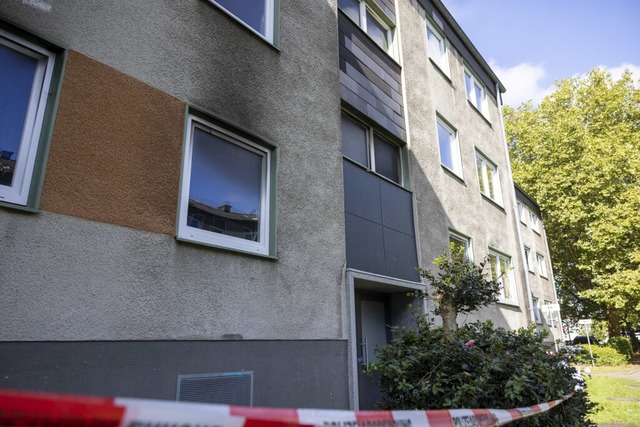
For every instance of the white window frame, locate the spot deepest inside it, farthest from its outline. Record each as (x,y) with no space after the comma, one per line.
(210,238)
(506,274)
(542,265)
(533,220)
(18,192)
(536,310)
(521,211)
(472,95)
(528,259)
(269,20)
(364,8)
(495,179)
(454,146)
(466,242)
(440,58)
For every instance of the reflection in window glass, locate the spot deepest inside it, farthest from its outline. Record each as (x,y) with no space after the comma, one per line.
(449,155)
(501,272)
(377,32)
(351,8)
(17,72)
(254,13)
(437,48)
(354,141)
(387,159)
(225,194)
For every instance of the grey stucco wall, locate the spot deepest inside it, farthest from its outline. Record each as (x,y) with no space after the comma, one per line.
(304,374)
(64,278)
(443,200)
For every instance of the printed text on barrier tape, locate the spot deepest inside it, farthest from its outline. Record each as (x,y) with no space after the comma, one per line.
(39,409)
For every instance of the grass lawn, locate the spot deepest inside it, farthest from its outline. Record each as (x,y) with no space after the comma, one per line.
(625,408)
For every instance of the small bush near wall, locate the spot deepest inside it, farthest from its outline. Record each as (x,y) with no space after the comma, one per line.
(602,356)
(622,346)
(480,366)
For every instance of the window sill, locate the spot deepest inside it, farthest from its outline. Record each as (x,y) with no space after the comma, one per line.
(493,202)
(480,113)
(225,248)
(509,303)
(442,72)
(275,43)
(532,272)
(453,174)
(19,207)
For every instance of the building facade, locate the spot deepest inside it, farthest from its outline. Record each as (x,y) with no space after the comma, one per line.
(537,259)
(195,193)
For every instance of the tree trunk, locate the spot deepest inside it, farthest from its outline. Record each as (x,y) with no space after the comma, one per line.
(614,322)
(632,336)
(449,317)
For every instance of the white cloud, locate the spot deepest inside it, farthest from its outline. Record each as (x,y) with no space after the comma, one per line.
(616,72)
(523,82)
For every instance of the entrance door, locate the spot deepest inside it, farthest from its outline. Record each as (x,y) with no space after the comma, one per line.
(371,332)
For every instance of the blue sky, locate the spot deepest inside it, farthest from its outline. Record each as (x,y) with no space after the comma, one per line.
(532,43)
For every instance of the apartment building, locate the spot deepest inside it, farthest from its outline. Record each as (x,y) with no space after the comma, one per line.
(204,201)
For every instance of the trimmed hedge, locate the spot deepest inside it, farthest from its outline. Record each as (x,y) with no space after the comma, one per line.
(622,346)
(602,355)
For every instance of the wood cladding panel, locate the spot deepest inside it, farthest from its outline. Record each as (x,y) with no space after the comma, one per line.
(116,151)
(370,80)
(389,8)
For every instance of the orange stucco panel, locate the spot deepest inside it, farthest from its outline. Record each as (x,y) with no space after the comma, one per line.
(116,151)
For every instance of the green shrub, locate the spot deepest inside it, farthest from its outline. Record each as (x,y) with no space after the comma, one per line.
(602,356)
(479,366)
(622,346)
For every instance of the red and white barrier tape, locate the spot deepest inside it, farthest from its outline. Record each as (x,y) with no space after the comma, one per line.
(54,410)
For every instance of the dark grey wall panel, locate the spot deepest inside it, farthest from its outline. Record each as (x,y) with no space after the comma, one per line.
(370,80)
(362,193)
(365,245)
(400,255)
(309,374)
(395,204)
(379,225)
(371,112)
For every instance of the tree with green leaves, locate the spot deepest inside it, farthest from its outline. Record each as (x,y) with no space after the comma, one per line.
(578,155)
(459,286)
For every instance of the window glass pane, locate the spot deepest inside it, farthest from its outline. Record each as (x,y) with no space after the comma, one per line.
(493,262)
(445,141)
(17,72)
(434,45)
(354,141)
(387,159)
(478,90)
(252,12)
(480,174)
(351,8)
(468,84)
(458,247)
(226,187)
(490,178)
(377,32)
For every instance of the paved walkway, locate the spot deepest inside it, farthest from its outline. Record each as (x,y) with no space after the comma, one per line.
(633,374)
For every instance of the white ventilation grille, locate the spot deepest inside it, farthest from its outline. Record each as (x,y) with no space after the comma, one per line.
(226,388)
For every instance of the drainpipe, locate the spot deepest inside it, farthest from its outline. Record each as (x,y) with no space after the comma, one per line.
(515,208)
